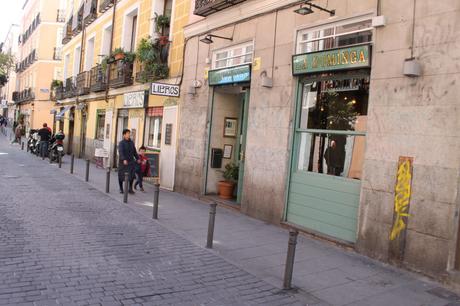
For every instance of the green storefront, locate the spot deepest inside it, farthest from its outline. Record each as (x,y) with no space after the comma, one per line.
(329,140)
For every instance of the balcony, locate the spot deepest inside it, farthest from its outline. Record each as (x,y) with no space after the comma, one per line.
(59,93)
(69,88)
(90,12)
(83,83)
(105,5)
(57,54)
(60,16)
(207,7)
(151,73)
(16,96)
(67,31)
(25,95)
(121,74)
(98,79)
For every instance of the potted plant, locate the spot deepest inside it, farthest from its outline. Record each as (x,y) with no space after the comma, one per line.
(227,186)
(161,22)
(56,84)
(164,40)
(153,64)
(118,54)
(129,57)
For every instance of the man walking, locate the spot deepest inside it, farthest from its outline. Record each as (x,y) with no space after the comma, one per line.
(127,160)
(45,136)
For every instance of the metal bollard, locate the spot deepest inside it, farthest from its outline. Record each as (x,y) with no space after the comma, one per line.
(60,161)
(125,195)
(72,160)
(289,268)
(156,199)
(107,181)
(87,171)
(212,219)
(22,145)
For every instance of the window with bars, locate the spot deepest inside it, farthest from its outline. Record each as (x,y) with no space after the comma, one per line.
(335,36)
(233,56)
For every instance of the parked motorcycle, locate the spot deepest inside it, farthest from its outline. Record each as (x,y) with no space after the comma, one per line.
(32,141)
(56,147)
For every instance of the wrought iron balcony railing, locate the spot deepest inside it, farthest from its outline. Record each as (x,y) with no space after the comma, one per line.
(98,79)
(83,83)
(77,22)
(69,88)
(90,12)
(67,31)
(121,74)
(57,54)
(105,5)
(60,16)
(207,7)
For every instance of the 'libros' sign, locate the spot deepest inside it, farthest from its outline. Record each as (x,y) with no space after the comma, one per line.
(231,75)
(336,59)
(161,89)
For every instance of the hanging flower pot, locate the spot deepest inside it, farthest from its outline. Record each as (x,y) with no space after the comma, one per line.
(164,40)
(118,54)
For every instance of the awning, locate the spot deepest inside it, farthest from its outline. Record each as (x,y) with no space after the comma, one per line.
(60,115)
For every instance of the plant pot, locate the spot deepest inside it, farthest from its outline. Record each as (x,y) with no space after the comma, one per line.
(164,40)
(119,56)
(226,189)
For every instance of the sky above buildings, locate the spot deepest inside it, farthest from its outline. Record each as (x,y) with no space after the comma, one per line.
(10,12)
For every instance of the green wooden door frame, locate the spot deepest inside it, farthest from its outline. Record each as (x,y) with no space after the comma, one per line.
(242,143)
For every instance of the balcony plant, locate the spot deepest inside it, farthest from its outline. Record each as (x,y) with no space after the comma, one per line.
(227,186)
(150,54)
(161,23)
(118,54)
(56,84)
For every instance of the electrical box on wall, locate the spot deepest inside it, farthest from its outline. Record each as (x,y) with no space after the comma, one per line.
(412,68)
(379,21)
(216,158)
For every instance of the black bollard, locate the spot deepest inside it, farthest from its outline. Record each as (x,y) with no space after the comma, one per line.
(22,145)
(87,171)
(107,180)
(60,160)
(156,199)
(212,219)
(125,195)
(289,268)
(72,160)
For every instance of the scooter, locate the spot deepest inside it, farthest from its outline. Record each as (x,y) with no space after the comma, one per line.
(32,141)
(56,150)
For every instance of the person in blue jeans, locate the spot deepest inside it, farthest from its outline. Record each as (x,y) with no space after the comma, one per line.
(127,161)
(45,136)
(142,169)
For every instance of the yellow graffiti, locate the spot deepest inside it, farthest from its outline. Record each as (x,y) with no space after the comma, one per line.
(402,197)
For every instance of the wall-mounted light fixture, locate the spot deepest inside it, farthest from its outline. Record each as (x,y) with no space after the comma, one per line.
(305,10)
(208,38)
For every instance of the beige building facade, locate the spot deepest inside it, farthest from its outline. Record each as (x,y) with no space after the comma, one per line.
(38,60)
(10,46)
(341,120)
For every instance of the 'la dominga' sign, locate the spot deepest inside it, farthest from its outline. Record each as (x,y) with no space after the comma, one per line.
(336,59)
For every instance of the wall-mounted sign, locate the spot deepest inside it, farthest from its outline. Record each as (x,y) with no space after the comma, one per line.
(161,89)
(134,99)
(231,75)
(168,134)
(329,60)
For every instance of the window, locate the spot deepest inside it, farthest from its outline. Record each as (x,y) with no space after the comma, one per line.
(233,56)
(100,124)
(107,36)
(133,34)
(77,61)
(336,36)
(153,126)
(89,58)
(130,31)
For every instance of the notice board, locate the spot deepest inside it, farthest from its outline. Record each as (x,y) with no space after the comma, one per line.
(154,159)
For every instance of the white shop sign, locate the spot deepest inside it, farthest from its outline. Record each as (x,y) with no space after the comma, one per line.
(134,99)
(161,89)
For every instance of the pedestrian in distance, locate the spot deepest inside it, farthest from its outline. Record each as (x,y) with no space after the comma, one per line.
(45,136)
(128,158)
(142,169)
(18,133)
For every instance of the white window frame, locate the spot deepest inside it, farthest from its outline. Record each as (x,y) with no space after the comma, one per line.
(230,55)
(147,132)
(76,68)
(105,44)
(89,64)
(334,25)
(127,22)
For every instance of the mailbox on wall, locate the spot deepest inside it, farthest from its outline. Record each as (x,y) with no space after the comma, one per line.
(216,157)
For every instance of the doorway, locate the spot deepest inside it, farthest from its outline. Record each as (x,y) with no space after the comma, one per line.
(71,130)
(122,124)
(227,139)
(84,121)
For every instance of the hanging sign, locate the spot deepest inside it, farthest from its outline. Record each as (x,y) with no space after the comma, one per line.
(336,59)
(161,89)
(231,75)
(134,99)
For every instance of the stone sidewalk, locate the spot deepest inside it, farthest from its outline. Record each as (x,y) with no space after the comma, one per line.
(324,274)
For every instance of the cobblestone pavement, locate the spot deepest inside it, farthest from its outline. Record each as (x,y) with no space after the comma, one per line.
(62,242)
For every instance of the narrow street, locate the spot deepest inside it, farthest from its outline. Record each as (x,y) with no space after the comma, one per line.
(64,243)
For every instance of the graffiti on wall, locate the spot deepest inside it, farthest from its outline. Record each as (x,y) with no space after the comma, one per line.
(403,191)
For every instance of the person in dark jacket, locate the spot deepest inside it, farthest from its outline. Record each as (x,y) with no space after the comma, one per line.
(127,160)
(45,136)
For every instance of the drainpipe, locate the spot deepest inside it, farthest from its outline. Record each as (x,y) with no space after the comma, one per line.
(80,68)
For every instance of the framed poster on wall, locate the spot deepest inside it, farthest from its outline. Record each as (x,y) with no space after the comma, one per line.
(230,127)
(228,149)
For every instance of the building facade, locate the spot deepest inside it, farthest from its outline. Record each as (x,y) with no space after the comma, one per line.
(10,46)
(340,118)
(102,94)
(38,60)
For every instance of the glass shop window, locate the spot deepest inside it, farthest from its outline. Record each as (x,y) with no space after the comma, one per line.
(154,132)
(100,125)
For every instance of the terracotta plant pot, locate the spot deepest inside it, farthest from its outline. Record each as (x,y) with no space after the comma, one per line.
(119,56)
(226,189)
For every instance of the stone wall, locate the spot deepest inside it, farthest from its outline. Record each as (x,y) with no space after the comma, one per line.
(419,118)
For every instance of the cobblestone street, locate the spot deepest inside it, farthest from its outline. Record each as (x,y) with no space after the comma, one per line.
(63,242)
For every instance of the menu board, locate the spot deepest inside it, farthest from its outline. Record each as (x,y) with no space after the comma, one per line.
(154,159)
